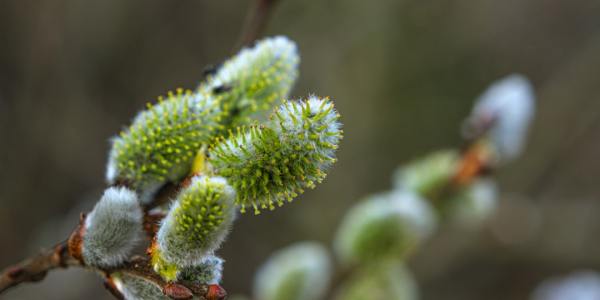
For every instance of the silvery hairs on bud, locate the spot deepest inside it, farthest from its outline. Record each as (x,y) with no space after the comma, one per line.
(137,288)
(255,79)
(208,271)
(506,110)
(112,228)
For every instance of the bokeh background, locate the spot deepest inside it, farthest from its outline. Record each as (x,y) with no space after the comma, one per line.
(403,74)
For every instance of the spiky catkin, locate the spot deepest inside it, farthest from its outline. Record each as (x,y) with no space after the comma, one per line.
(137,288)
(298,272)
(162,141)
(270,164)
(254,79)
(195,226)
(112,228)
(384,226)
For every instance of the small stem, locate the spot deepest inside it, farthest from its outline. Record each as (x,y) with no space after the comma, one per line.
(256,21)
(35,268)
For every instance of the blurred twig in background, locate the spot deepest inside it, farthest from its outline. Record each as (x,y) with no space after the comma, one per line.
(256,21)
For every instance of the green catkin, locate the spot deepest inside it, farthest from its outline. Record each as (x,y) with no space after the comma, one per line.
(195,226)
(384,226)
(268,165)
(161,143)
(301,271)
(255,79)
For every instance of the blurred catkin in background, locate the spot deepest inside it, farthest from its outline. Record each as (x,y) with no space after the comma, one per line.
(403,73)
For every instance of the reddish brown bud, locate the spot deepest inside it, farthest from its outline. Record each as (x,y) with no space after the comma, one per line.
(215,292)
(177,291)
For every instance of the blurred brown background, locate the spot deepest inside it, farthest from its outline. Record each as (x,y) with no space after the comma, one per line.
(403,74)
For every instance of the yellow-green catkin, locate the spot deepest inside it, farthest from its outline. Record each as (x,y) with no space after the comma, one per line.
(273,163)
(163,140)
(195,226)
(255,79)
(384,226)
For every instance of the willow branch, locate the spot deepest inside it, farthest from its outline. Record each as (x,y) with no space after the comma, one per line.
(256,21)
(35,268)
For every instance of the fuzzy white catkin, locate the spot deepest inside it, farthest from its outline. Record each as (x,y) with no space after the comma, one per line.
(255,79)
(299,272)
(581,285)
(384,225)
(510,103)
(137,288)
(208,271)
(112,228)
(278,48)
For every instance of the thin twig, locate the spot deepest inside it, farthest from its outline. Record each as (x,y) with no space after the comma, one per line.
(35,268)
(256,21)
